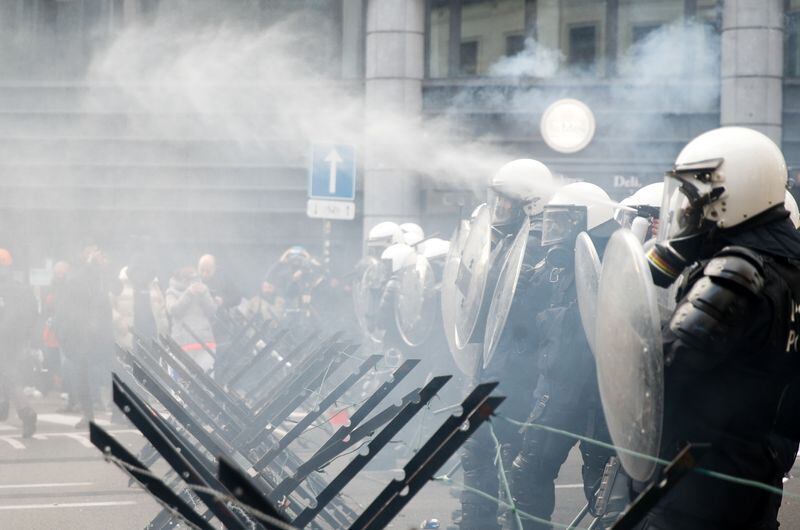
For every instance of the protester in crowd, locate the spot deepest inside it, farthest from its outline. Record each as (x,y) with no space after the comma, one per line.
(296,275)
(50,346)
(83,326)
(140,305)
(191,308)
(226,295)
(18,314)
(224,292)
(267,304)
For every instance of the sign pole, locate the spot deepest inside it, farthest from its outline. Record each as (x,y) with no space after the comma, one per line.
(327,228)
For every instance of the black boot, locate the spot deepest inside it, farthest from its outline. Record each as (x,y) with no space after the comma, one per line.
(28,417)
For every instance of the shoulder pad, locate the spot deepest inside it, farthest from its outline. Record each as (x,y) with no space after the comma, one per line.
(738,265)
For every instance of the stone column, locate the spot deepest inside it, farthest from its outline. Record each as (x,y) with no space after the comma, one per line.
(395,64)
(752,65)
(352,40)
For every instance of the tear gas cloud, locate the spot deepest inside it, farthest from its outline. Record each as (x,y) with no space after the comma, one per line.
(269,89)
(533,61)
(672,71)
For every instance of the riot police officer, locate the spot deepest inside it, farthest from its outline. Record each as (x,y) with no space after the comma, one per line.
(642,211)
(731,345)
(395,258)
(382,236)
(517,192)
(566,395)
(412,233)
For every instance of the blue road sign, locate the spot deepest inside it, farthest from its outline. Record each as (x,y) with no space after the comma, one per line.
(332,174)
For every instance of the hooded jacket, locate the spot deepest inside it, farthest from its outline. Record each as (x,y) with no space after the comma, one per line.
(192,311)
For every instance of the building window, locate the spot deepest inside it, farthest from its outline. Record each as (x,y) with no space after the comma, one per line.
(582,47)
(469,58)
(792,45)
(487,22)
(514,44)
(596,35)
(437,38)
(640,32)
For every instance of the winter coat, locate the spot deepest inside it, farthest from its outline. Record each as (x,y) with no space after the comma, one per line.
(124,310)
(18,313)
(194,311)
(82,319)
(221,287)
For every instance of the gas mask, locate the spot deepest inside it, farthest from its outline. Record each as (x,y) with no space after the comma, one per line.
(562,224)
(504,211)
(683,226)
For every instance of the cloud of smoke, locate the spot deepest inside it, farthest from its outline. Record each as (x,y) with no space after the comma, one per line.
(535,60)
(670,74)
(270,92)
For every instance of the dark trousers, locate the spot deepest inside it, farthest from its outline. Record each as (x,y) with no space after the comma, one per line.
(11,379)
(539,461)
(479,454)
(86,377)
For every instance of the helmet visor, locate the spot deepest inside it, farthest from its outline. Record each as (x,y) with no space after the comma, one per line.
(688,190)
(504,210)
(624,217)
(562,223)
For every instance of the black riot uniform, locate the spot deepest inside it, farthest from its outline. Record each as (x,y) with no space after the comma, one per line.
(731,376)
(566,396)
(514,366)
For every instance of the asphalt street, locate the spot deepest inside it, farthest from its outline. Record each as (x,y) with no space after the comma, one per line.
(58,480)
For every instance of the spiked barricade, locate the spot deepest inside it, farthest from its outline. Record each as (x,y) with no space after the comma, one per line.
(230,448)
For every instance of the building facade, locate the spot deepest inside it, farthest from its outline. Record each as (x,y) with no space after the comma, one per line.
(654,74)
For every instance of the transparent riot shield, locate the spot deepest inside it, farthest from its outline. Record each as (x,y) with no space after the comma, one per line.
(367,298)
(587,282)
(415,305)
(471,278)
(630,367)
(503,296)
(466,358)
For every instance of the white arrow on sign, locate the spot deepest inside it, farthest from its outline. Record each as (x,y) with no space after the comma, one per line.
(333,159)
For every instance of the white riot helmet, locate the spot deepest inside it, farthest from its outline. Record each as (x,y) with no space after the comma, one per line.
(722,178)
(650,195)
(412,233)
(384,234)
(435,247)
(412,228)
(521,187)
(577,207)
(396,256)
(646,205)
(794,211)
